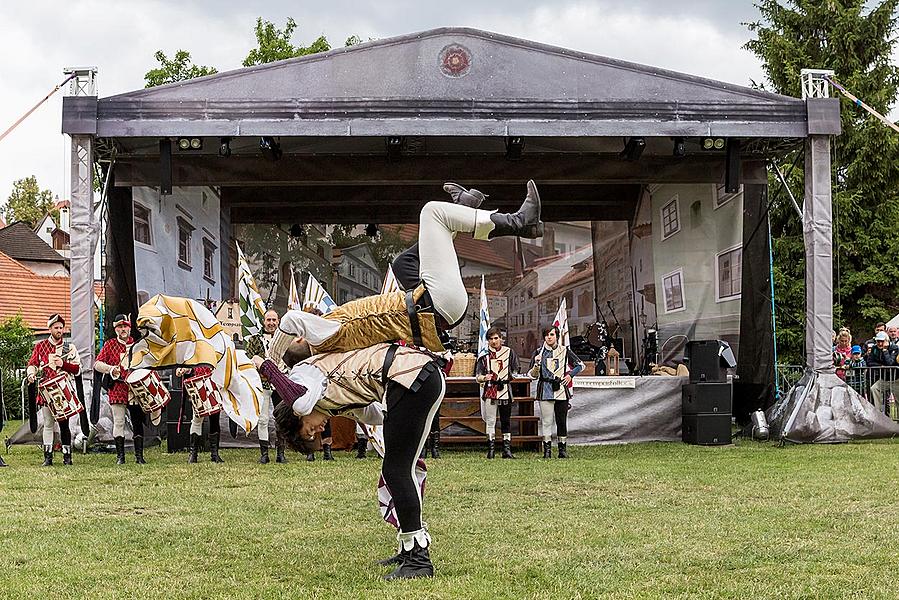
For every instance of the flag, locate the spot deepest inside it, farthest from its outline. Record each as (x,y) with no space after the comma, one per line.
(293,300)
(252,308)
(561,321)
(182,332)
(390,283)
(484,322)
(317,297)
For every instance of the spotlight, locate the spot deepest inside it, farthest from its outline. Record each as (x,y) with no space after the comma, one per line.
(183,144)
(270,148)
(196,143)
(225,147)
(679,149)
(514,147)
(371,230)
(395,147)
(190,144)
(712,143)
(634,148)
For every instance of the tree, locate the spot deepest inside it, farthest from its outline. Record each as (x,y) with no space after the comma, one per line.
(856,42)
(29,203)
(275,44)
(16,340)
(178,68)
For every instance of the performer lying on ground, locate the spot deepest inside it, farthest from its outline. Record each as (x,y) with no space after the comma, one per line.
(347,383)
(436,299)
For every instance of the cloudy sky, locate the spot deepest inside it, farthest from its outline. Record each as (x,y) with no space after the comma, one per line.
(701,37)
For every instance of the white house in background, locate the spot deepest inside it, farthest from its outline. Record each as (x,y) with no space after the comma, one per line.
(177,243)
(357,273)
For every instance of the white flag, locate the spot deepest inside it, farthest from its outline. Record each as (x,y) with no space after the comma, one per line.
(390,283)
(484,322)
(293,300)
(252,308)
(317,297)
(561,321)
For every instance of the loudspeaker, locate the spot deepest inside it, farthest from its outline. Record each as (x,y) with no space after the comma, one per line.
(707,398)
(706,430)
(704,362)
(177,438)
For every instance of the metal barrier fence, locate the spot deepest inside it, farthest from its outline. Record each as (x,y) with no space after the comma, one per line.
(878,385)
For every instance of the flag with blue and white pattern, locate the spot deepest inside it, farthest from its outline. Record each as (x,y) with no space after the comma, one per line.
(485,322)
(317,297)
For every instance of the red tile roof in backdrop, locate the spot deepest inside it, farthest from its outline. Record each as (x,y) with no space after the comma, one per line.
(499,253)
(35,296)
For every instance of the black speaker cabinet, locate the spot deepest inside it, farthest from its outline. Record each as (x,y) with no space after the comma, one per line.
(177,438)
(706,430)
(704,363)
(707,398)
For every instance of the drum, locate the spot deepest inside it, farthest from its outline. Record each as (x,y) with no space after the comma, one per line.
(204,395)
(145,388)
(59,396)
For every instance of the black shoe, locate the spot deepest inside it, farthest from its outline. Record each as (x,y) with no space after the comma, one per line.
(279,454)
(194,442)
(361,447)
(263,452)
(139,450)
(48,456)
(507,449)
(435,444)
(326,452)
(491,450)
(310,457)
(563,450)
(2,464)
(525,223)
(416,563)
(214,448)
(67,455)
(119,450)
(471,198)
(547,450)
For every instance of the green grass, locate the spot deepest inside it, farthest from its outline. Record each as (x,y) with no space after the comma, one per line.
(636,521)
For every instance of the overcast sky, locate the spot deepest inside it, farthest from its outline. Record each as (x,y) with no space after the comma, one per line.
(701,37)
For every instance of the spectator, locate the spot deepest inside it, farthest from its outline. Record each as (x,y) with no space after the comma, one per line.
(855,372)
(870,344)
(842,352)
(893,333)
(883,355)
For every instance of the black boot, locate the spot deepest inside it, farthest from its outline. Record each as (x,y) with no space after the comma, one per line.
(435,444)
(119,450)
(416,563)
(279,453)
(326,452)
(3,464)
(214,448)
(563,450)
(310,457)
(507,449)
(194,442)
(525,223)
(263,452)
(48,456)
(67,455)
(491,450)
(471,198)
(361,447)
(138,450)
(547,449)
(393,560)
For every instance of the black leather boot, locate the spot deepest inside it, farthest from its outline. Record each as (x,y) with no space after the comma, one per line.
(263,452)
(507,449)
(279,453)
(416,563)
(310,457)
(214,447)
(491,450)
(547,449)
(48,456)
(525,223)
(139,450)
(361,447)
(326,452)
(563,450)
(2,463)
(119,450)
(194,442)
(471,198)
(435,444)
(67,455)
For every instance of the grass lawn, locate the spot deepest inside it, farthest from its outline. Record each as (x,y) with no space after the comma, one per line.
(636,521)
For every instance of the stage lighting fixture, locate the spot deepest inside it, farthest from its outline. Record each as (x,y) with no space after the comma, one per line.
(634,148)
(183,144)
(371,230)
(394,147)
(712,143)
(679,149)
(190,143)
(270,148)
(514,147)
(225,147)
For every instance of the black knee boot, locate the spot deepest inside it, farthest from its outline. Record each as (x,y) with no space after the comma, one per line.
(119,450)
(525,223)
(416,561)
(491,450)
(263,452)
(310,457)
(326,452)
(138,450)
(48,456)
(2,463)
(194,442)
(214,447)
(67,455)
(435,444)
(279,453)
(563,450)
(547,449)
(361,447)
(507,449)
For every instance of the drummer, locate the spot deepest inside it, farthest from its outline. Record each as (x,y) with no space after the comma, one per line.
(113,361)
(50,358)
(200,413)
